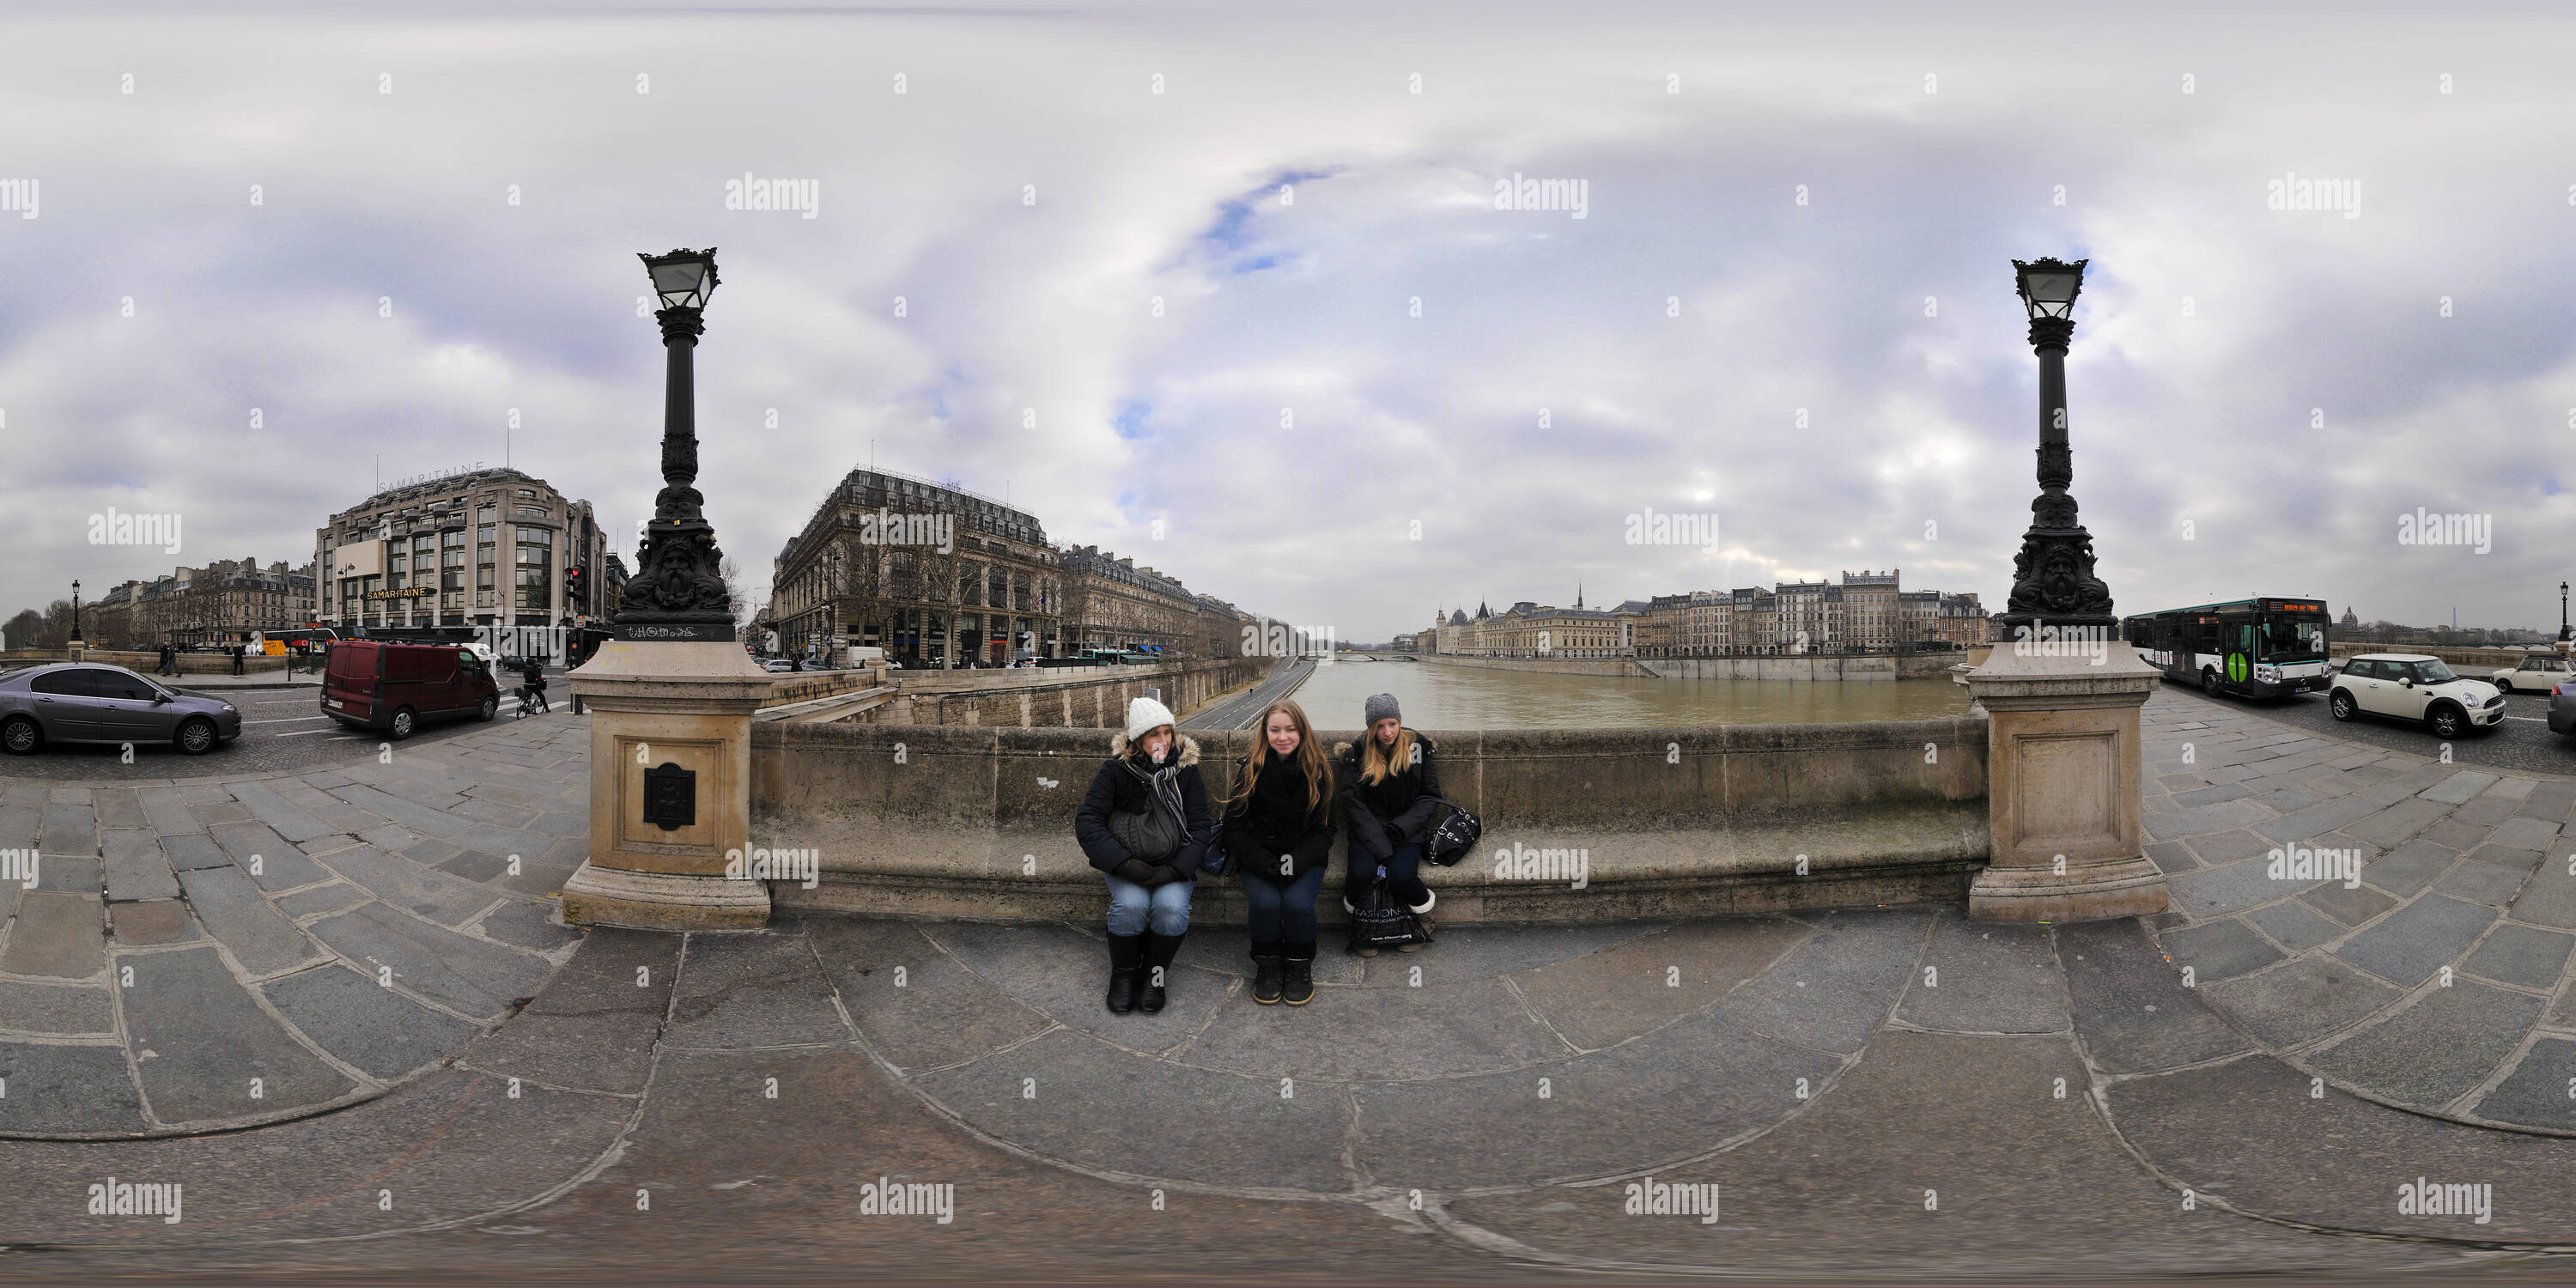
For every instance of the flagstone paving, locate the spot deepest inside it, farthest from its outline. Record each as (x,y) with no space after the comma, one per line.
(1891,1091)
(241,951)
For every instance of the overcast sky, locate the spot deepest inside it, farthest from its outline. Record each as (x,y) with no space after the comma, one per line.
(2256,394)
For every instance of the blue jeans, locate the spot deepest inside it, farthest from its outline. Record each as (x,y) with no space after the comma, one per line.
(1403,874)
(1282,912)
(1132,907)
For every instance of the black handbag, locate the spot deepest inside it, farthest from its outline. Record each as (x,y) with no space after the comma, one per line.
(1379,921)
(1153,835)
(1451,836)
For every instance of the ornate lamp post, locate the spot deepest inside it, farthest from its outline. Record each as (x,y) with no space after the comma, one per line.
(2053,581)
(2562,612)
(678,591)
(76,636)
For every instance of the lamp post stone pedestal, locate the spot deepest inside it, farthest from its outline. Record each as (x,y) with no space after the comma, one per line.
(2063,795)
(670,787)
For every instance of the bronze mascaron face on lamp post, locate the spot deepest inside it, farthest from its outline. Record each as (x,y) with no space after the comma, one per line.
(678,590)
(2053,581)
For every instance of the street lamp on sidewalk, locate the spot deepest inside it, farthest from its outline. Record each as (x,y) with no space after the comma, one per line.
(678,591)
(2562,612)
(2053,581)
(76,638)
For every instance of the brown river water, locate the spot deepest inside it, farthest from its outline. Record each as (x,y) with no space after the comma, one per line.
(1434,696)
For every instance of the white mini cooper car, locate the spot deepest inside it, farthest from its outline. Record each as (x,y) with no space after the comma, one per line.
(2538,673)
(2413,686)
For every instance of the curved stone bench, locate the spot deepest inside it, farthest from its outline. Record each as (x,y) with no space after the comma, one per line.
(948,822)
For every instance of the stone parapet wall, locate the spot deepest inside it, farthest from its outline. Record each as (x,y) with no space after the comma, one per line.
(954,822)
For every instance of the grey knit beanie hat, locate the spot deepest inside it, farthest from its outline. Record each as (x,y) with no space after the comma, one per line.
(1382,707)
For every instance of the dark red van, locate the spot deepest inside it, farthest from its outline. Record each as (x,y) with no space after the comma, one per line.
(376,684)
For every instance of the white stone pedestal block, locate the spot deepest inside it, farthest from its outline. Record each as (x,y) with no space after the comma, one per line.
(670,787)
(2063,785)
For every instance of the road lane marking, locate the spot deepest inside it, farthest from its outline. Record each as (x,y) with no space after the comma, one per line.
(286,720)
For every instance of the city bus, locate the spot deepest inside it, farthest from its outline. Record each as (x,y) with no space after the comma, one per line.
(2262,647)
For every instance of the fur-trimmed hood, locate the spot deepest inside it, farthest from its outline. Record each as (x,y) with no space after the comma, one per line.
(1189,748)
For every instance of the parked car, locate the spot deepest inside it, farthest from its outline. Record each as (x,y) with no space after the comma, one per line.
(81,702)
(2413,686)
(376,684)
(2538,673)
(777,665)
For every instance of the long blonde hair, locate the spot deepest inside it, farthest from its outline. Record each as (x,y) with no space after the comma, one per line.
(1310,756)
(1377,763)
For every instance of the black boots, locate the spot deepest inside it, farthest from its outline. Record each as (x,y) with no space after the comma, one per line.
(1159,951)
(1125,953)
(1266,973)
(1297,968)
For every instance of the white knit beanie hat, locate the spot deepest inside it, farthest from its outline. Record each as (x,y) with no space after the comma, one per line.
(1144,715)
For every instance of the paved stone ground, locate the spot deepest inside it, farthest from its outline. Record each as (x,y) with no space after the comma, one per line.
(210,953)
(2435,977)
(1886,1092)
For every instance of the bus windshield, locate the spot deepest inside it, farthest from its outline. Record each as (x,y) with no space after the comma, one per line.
(2292,639)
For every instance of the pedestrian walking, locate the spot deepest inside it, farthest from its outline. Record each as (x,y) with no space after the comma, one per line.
(1390,790)
(241,658)
(1278,831)
(1144,823)
(166,657)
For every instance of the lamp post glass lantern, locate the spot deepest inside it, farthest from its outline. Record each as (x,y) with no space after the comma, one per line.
(678,591)
(2054,590)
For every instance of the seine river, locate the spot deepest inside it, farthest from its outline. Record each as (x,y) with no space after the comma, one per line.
(1473,697)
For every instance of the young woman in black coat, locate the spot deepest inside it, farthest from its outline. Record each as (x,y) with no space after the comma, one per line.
(1151,769)
(1390,788)
(1278,829)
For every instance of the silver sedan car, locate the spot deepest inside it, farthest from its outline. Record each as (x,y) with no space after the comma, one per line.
(87,702)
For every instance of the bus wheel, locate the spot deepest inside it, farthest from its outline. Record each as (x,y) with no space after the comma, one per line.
(2209,682)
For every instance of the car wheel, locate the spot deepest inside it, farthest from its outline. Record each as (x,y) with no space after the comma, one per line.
(404,722)
(2503,685)
(2209,682)
(491,708)
(196,737)
(2341,704)
(2449,721)
(21,736)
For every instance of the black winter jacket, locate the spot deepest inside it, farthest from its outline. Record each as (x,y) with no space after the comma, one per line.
(1121,786)
(1388,814)
(1272,823)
